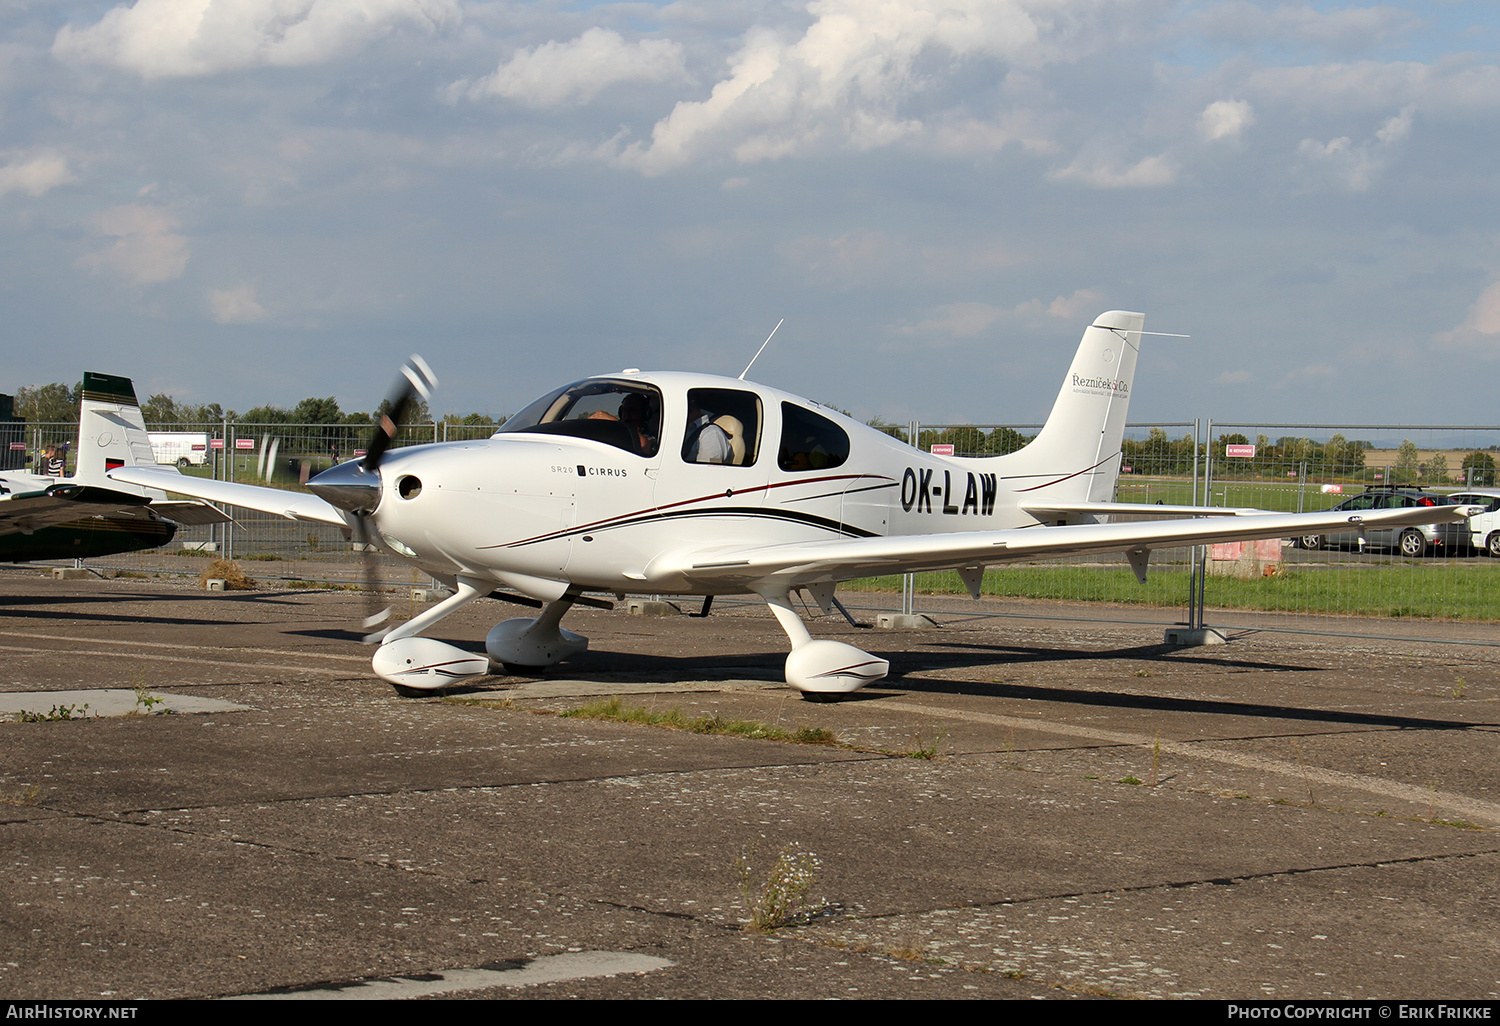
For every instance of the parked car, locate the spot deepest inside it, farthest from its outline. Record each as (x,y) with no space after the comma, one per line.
(1481,531)
(1410,541)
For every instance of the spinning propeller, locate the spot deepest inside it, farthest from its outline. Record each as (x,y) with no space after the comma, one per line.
(355,486)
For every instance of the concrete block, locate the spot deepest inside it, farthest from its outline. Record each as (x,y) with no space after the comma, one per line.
(214,584)
(1186,638)
(902,622)
(69,573)
(651,607)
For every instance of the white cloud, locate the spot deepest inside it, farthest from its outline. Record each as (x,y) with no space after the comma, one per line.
(1356,167)
(966,320)
(854,259)
(1149,173)
(959,320)
(1235,377)
(178,38)
(235,306)
(845,78)
(1311,374)
(1349,30)
(1225,119)
(1082,304)
(1480,331)
(1454,86)
(577,71)
(36,173)
(147,249)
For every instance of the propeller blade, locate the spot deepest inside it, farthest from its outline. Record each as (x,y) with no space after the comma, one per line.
(417,380)
(359,490)
(377,621)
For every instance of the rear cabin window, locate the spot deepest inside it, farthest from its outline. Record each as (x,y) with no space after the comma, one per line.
(810,441)
(723,427)
(625,414)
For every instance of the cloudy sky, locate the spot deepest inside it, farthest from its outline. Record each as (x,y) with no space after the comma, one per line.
(249,201)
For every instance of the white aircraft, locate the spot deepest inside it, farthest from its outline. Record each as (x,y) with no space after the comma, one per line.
(87,515)
(604,486)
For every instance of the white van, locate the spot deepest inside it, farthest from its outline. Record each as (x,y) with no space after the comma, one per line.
(184,448)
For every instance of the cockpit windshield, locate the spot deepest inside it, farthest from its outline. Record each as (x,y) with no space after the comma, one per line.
(625,414)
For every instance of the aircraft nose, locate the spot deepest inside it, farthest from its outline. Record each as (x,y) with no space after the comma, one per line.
(349,486)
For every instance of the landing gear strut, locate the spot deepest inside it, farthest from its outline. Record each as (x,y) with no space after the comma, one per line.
(821,668)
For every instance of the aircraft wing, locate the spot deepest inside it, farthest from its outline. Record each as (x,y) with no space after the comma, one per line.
(282,503)
(798,564)
(25,512)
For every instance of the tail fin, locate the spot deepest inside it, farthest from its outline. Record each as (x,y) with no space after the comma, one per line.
(111,433)
(1076,457)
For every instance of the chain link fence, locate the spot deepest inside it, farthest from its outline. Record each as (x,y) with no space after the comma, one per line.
(1371,586)
(1376,586)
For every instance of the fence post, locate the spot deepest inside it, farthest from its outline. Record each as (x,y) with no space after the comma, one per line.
(229,458)
(908,580)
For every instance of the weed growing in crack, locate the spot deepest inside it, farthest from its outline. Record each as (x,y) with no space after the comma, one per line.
(921,749)
(58,712)
(26,796)
(674,719)
(775,900)
(146,702)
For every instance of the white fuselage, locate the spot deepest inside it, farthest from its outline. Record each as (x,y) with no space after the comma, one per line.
(600,517)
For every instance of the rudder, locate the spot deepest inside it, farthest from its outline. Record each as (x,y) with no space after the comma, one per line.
(111,433)
(1076,456)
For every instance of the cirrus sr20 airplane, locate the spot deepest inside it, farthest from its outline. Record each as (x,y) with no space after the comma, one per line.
(689,484)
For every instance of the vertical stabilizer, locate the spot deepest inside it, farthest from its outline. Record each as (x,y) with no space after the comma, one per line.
(1076,457)
(111,433)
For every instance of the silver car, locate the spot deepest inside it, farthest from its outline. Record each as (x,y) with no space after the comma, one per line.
(1410,541)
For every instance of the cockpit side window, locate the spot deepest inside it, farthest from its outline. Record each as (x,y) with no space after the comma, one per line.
(723,426)
(625,414)
(810,441)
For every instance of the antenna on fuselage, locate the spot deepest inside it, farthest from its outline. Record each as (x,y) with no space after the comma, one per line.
(762,348)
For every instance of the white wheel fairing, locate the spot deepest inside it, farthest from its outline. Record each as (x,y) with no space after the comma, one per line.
(832,667)
(522,641)
(426,663)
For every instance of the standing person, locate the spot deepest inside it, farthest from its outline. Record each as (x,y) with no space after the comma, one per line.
(55,460)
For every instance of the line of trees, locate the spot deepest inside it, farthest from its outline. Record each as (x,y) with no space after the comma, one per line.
(59,403)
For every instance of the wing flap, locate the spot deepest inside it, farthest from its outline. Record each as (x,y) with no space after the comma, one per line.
(193,513)
(1055,510)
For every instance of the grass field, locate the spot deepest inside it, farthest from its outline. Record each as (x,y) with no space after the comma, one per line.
(1463,591)
(1280,496)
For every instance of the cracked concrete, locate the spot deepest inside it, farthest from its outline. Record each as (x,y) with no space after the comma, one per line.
(1278,817)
